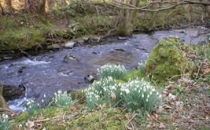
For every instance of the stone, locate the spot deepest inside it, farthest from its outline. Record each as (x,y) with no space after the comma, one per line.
(69,57)
(89,78)
(69,45)
(54,47)
(168,60)
(11,92)
(122,38)
(85,39)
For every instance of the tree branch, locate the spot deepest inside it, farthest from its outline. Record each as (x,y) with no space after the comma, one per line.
(132,7)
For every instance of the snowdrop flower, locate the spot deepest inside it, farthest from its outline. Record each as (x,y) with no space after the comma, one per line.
(160,96)
(150,93)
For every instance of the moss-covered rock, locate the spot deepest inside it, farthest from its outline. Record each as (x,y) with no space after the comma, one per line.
(168,60)
(3,104)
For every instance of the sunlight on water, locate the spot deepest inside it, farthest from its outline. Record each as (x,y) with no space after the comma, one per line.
(17,105)
(34,62)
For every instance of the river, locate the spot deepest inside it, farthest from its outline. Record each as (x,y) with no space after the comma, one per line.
(66,69)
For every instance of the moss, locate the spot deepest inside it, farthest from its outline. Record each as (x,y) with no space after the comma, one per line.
(22,117)
(23,31)
(77,94)
(3,104)
(20,39)
(99,120)
(134,74)
(167,60)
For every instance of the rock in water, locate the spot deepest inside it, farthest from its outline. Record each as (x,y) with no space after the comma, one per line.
(54,47)
(69,45)
(89,78)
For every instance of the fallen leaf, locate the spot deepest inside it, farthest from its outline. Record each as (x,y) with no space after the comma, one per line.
(160,110)
(71,116)
(162,126)
(30,125)
(74,108)
(171,96)
(113,96)
(167,107)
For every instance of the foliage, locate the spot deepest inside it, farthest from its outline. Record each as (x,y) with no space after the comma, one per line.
(139,94)
(115,71)
(62,99)
(32,107)
(4,122)
(203,50)
(135,94)
(98,91)
(137,73)
(141,68)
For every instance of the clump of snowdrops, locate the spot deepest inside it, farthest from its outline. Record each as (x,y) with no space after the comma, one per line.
(134,94)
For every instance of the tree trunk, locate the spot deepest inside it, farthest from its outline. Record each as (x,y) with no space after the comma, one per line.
(37,6)
(126,18)
(6,6)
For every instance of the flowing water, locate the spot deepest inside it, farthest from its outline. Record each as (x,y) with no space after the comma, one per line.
(45,74)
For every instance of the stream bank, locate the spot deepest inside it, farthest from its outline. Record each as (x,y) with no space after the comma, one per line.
(35,76)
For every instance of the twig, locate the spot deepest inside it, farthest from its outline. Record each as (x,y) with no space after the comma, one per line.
(130,121)
(199,70)
(6,110)
(55,118)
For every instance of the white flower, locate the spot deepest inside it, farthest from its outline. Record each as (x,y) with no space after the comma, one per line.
(127,91)
(5,116)
(20,125)
(59,91)
(160,96)
(150,93)
(142,96)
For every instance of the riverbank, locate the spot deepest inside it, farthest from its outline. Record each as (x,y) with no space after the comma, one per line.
(24,31)
(185,101)
(181,98)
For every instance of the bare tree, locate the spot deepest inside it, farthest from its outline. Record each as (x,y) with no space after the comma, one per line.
(129,8)
(126,18)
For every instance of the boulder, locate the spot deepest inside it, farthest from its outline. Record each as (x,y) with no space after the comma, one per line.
(11,92)
(168,60)
(3,104)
